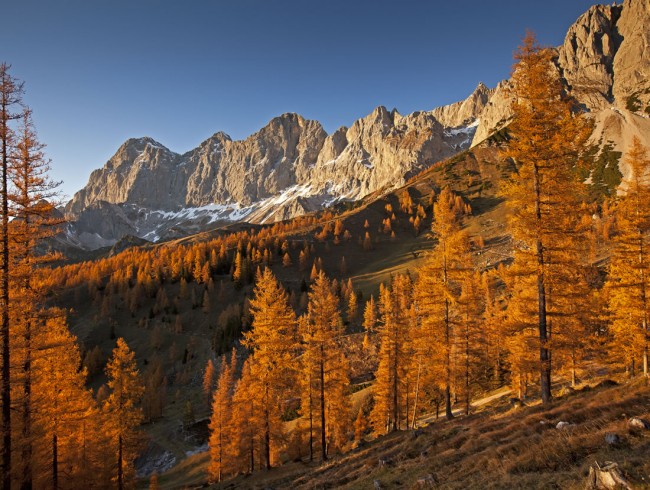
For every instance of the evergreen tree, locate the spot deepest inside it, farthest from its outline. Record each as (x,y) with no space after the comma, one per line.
(325,366)
(629,276)
(122,409)
(544,192)
(272,341)
(439,287)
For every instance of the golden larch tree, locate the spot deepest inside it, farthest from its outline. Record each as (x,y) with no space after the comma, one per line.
(272,341)
(63,411)
(11,91)
(32,209)
(391,388)
(325,370)
(221,420)
(122,409)
(629,274)
(439,287)
(547,138)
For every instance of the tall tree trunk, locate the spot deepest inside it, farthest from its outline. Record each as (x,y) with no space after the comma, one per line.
(120,475)
(220,444)
(467,394)
(544,354)
(252,441)
(267,430)
(395,408)
(26,483)
(448,412)
(55,462)
(417,393)
(323,439)
(643,303)
(4,299)
(27,365)
(311,418)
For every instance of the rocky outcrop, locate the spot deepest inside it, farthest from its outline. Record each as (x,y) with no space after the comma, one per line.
(587,55)
(632,59)
(128,177)
(604,63)
(466,111)
(496,113)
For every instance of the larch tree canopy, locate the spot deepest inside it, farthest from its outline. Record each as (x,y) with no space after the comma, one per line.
(439,287)
(123,410)
(272,340)
(629,274)
(547,138)
(324,376)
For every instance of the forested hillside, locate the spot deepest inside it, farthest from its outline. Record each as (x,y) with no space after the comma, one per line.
(487,291)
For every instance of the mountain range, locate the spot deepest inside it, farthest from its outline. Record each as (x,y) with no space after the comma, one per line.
(292,166)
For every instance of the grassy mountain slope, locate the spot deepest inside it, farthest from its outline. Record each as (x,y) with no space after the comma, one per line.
(497,447)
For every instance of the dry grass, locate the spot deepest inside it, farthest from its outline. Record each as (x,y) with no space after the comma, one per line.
(498,448)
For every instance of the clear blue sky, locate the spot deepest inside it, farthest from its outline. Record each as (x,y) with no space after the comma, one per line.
(100,71)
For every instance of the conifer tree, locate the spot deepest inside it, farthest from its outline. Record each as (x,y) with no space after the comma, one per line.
(324,367)
(220,421)
(272,341)
(629,276)
(471,322)
(543,194)
(391,389)
(11,91)
(123,409)
(63,410)
(370,315)
(360,425)
(353,308)
(247,423)
(30,195)
(439,287)
(209,377)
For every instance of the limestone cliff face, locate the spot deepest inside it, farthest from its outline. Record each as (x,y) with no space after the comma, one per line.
(128,176)
(466,111)
(587,55)
(289,167)
(256,168)
(496,113)
(604,62)
(632,59)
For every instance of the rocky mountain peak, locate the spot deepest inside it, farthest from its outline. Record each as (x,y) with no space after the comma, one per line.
(465,111)
(221,136)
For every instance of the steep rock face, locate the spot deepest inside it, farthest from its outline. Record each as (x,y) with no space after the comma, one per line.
(604,62)
(466,111)
(632,60)
(256,168)
(496,113)
(128,176)
(587,55)
(382,149)
(620,126)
